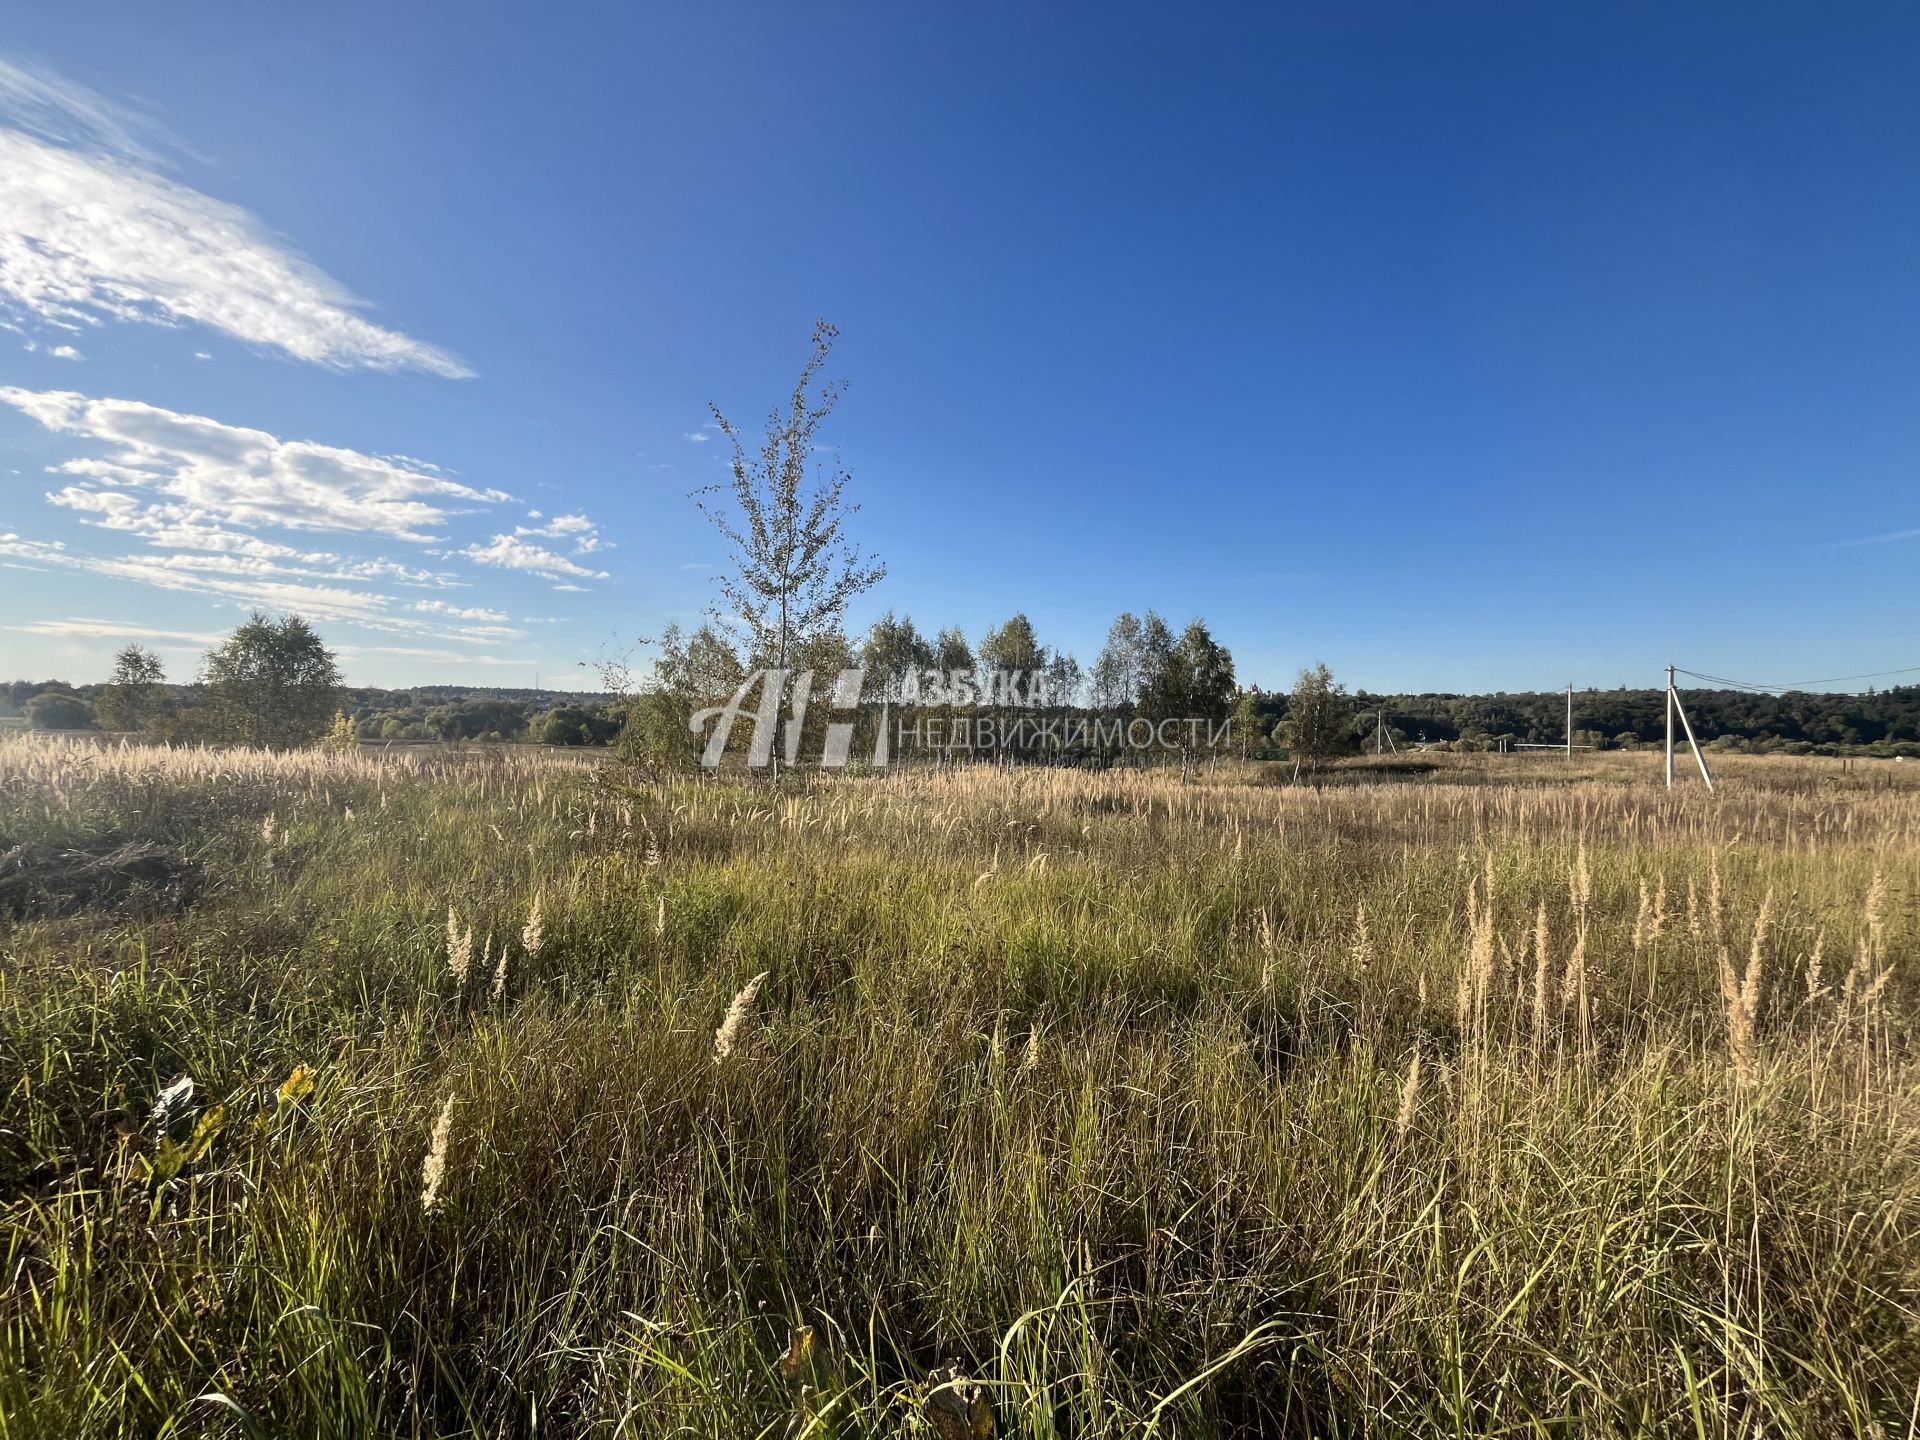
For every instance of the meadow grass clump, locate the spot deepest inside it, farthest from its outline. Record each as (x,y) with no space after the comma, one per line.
(1070,1104)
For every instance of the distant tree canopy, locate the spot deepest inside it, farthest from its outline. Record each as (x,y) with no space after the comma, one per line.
(58,710)
(1249,725)
(1319,720)
(1012,647)
(130,699)
(478,720)
(1116,673)
(276,680)
(270,683)
(1796,720)
(1194,678)
(572,725)
(951,650)
(893,650)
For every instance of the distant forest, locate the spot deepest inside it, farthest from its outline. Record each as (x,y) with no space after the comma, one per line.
(1885,722)
(1737,719)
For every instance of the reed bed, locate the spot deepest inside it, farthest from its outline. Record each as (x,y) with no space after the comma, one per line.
(1524,1101)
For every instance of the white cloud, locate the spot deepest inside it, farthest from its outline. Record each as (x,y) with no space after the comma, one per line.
(89,231)
(510,552)
(489,632)
(54,108)
(229,476)
(416,652)
(65,352)
(172,527)
(455,612)
(237,515)
(316,601)
(698,437)
(112,629)
(584,534)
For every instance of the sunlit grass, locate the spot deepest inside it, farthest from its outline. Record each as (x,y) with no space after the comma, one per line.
(1524,1100)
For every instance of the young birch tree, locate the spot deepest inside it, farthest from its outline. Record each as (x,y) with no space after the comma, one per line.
(794,569)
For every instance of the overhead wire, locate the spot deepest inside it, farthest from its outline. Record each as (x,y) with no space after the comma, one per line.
(1760,688)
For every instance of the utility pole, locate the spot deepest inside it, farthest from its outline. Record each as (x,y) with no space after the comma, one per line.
(1669,727)
(1699,756)
(1569,720)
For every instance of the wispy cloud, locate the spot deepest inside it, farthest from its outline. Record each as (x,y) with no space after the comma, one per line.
(511,552)
(698,437)
(237,515)
(89,231)
(1891,537)
(112,629)
(317,601)
(214,475)
(456,612)
(576,529)
(420,652)
(53,108)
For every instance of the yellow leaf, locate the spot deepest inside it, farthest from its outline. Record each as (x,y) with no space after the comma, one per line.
(296,1086)
(212,1122)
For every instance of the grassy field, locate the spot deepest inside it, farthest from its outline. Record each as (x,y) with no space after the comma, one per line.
(1515,1098)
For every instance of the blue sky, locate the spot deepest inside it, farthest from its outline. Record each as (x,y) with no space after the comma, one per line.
(1477,346)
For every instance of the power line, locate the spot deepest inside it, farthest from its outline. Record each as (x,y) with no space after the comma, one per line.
(1755,685)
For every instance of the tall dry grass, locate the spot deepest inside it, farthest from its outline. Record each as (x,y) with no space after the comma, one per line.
(1089,1104)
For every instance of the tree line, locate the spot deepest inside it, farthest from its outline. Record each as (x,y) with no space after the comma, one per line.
(274,682)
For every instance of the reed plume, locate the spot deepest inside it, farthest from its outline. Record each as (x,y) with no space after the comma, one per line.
(1743,995)
(1359,949)
(533,936)
(433,1170)
(459,948)
(1267,952)
(1409,1097)
(738,1013)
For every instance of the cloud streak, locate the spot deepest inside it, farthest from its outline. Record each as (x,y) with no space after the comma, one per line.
(225,478)
(89,231)
(1891,537)
(238,515)
(315,600)
(112,629)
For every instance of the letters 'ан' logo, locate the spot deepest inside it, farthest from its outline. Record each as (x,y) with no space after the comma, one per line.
(773,687)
